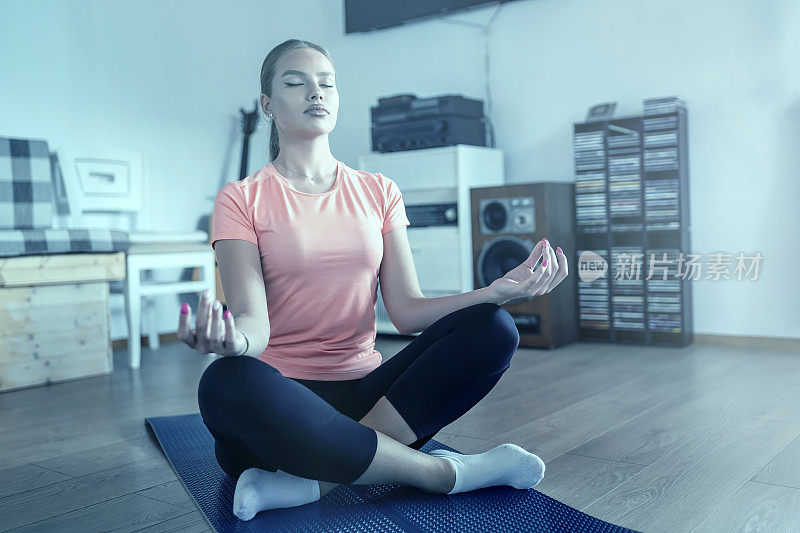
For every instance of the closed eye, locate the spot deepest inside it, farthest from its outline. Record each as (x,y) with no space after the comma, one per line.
(296,84)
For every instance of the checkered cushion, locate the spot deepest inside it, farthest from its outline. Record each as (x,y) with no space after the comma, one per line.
(26,207)
(62,241)
(26,189)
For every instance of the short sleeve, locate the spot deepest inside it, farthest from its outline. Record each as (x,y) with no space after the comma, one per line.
(395,210)
(230,219)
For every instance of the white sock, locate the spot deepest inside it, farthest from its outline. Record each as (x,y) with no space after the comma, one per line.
(506,464)
(258,490)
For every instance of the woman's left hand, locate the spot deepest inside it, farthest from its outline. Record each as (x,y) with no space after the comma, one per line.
(523,281)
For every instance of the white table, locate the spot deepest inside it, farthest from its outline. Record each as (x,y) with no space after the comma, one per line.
(151,256)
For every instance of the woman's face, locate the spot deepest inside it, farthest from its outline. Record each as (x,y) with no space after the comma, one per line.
(312,81)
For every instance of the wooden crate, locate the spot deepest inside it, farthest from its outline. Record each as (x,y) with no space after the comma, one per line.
(54,317)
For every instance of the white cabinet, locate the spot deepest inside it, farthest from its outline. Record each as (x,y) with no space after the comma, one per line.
(438,177)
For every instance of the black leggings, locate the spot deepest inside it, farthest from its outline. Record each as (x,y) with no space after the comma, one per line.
(262,419)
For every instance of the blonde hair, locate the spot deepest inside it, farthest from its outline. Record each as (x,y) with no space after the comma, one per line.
(268,74)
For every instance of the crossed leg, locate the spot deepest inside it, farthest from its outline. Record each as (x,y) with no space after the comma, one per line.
(385,419)
(404,402)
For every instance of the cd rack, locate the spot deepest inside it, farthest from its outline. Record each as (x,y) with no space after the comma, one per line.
(632,210)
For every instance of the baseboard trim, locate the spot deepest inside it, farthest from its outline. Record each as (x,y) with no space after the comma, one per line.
(769,343)
(163,338)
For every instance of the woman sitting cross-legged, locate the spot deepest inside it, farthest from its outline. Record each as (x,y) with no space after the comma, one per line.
(299,402)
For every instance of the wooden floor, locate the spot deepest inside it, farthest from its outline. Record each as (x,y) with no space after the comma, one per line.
(704,438)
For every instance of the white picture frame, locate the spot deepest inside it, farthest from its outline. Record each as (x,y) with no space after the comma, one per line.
(102,180)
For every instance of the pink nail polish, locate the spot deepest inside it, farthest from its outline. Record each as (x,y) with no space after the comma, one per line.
(559,250)
(545,263)
(184,308)
(227,314)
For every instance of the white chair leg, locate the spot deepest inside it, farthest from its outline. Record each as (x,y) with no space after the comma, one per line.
(148,303)
(134,310)
(152,322)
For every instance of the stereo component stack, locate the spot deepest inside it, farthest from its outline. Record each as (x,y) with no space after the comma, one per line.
(405,122)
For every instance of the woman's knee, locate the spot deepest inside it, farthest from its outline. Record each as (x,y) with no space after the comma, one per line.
(229,384)
(497,328)
(217,375)
(498,324)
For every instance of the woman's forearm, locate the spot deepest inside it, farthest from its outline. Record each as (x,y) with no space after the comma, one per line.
(256,331)
(420,313)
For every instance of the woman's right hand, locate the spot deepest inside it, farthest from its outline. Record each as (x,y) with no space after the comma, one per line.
(211,336)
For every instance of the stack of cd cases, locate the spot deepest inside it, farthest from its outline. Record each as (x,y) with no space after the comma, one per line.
(632,211)
(625,176)
(664,291)
(590,181)
(660,106)
(593,303)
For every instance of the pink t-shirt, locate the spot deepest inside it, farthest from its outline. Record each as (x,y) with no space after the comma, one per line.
(320,256)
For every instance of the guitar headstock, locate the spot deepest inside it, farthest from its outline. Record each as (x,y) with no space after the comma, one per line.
(249,119)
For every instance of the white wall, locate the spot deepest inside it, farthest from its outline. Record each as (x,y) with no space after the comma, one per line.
(167,78)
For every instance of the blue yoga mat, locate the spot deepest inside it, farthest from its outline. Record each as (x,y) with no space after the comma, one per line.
(381,508)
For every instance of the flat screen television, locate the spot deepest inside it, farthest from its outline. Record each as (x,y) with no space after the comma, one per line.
(368,15)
